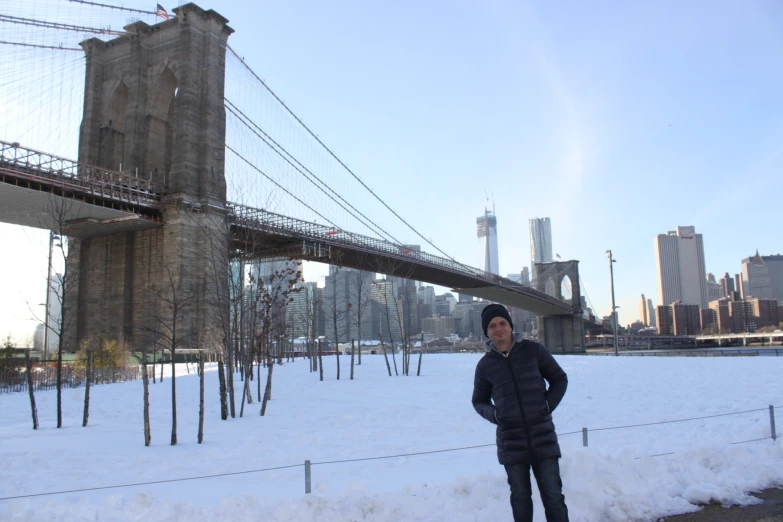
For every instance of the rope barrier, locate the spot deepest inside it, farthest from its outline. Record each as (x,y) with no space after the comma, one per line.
(148,483)
(401,455)
(362,459)
(678,420)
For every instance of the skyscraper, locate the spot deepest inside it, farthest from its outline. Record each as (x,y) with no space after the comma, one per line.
(540,243)
(653,320)
(775,272)
(644,317)
(713,288)
(487,227)
(682,275)
(755,278)
(727,285)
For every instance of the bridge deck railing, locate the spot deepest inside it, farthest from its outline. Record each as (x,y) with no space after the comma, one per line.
(265,221)
(72,175)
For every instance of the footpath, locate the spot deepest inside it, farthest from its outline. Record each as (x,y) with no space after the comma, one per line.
(771,510)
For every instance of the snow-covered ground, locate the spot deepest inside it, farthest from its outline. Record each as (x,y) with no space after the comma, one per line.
(622,475)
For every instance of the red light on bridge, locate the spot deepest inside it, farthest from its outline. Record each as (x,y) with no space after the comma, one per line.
(334,232)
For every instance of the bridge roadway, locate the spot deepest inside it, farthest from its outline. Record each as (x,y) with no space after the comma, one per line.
(41,190)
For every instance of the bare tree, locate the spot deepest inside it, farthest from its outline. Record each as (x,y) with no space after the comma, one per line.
(306,317)
(361,283)
(33,408)
(201,398)
(61,212)
(87,378)
(383,347)
(409,313)
(169,305)
(222,390)
(320,361)
(421,351)
(338,312)
(276,295)
(394,304)
(352,351)
(146,397)
(227,300)
(389,296)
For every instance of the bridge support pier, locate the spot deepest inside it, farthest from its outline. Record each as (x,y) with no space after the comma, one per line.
(563,333)
(125,284)
(154,103)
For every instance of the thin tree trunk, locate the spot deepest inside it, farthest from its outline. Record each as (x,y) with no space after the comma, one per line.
(242,404)
(421,350)
(258,381)
(173,401)
(146,380)
(352,350)
(161,366)
(338,361)
(268,390)
(87,379)
(28,363)
(359,347)
(154,360)
(247,385)
(386,357)
(223,394)
(60,383)
(201,399)
(320,360)
(230,383)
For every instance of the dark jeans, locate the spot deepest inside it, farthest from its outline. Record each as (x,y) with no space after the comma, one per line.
(547,474)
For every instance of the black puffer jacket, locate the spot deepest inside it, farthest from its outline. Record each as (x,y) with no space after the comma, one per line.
(522,404)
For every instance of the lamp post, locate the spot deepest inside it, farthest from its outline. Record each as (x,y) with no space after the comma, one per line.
(614,308)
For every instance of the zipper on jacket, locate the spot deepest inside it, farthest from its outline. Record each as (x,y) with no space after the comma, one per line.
(521,410)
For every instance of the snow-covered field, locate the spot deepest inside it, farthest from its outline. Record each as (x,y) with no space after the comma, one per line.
(622,475)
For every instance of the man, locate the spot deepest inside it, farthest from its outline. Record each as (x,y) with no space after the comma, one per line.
(512,374)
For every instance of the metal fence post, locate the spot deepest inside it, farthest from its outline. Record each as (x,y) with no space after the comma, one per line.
(307,477)
(772,422)
(584,437)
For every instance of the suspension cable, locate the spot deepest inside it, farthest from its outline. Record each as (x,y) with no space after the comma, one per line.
(58,26)
(335,156)
(278,185)
(234,110)
(60,48)
(114,7)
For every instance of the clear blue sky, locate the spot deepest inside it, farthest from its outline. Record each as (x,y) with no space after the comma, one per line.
(618,121)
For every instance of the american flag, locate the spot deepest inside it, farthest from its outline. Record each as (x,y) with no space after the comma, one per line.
(160,11)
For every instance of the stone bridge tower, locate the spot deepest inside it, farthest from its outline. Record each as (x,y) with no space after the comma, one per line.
(154,107)
(563,333)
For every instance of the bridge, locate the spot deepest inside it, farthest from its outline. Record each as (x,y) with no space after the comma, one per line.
(146,201)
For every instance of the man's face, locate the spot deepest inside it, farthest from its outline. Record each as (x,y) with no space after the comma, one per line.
(499,330)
